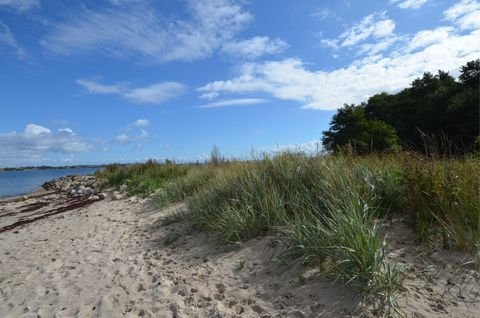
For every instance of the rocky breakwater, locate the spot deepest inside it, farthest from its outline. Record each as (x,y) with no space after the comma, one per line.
(87,187)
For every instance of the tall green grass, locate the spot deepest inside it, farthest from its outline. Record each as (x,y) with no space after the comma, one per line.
(142,179)
(443,198)
(326,209)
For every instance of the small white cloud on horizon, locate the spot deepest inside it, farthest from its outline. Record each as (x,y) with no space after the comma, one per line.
(66,131)
(409,4)
(36,142)
(152,94)
(235,102)
(35,130)
(255,47)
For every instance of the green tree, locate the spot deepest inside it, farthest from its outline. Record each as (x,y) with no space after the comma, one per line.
(434,105)
(350,126)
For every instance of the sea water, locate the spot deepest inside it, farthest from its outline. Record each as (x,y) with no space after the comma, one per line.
(13,183)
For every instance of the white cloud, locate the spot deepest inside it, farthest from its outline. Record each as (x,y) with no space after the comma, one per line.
(139,123)
(20,5)
(97,88)
(235,102)
(209,96)
(376,27)
(67,131)
(127,139)
(290,79)
(36,142)
(426,38)
(36,130)
(134,132)
(139,30)
(255,47)
(152,94)
(8,39)
(323,14)
(122,138)
(409,4)
(465,14)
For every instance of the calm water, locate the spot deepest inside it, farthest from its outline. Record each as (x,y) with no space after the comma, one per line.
(14,183)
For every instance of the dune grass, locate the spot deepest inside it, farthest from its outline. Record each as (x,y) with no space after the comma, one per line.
(326,209)
(142,179)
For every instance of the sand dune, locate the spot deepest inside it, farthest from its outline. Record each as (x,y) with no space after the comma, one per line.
(114,259)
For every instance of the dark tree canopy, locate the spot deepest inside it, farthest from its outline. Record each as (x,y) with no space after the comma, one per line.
(434,105)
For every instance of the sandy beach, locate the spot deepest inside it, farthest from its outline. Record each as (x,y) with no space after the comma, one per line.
(113,258)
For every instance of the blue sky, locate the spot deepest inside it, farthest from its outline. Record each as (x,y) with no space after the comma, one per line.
(125,80)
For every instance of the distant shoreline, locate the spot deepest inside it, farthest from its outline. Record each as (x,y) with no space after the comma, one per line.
(29,168)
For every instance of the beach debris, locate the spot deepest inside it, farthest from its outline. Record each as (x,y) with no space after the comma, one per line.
(76,203)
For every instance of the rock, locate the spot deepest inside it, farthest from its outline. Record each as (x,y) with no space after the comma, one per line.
(94,197)
(117,195)
(87,191)
(75,185)
(123,188)
(102,195)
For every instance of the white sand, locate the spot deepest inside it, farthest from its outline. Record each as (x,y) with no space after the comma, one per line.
(107,260)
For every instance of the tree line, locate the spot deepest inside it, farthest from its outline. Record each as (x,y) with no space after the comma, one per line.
(436,110)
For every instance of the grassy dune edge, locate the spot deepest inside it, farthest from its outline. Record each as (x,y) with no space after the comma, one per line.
(327,211)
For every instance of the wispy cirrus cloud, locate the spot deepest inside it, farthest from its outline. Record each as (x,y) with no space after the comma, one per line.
(465,14)
(323,14)
(374,33)
(138,29)
(139,123)
(235,102)
(7,39)
(133,133)
(125,138)
(255,47)
(20,5)
(409,4)
(152,94)
(37,142)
